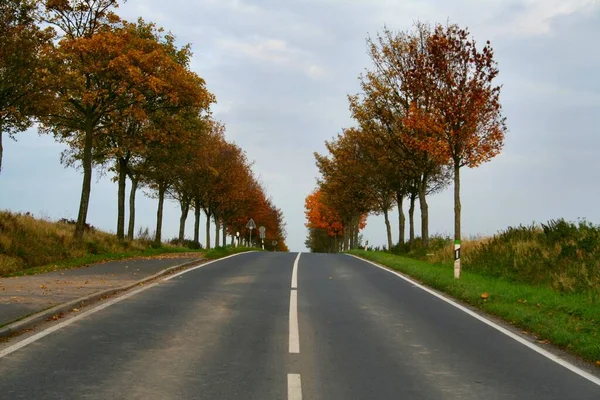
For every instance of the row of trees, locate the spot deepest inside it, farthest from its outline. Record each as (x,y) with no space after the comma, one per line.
(428,106)
(122,96)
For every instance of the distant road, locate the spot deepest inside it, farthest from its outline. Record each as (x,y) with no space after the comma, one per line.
(237,329)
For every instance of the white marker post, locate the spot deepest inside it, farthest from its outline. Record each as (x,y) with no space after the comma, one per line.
(457,259)
(262,231)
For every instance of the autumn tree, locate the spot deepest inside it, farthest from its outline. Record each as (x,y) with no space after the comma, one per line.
(23,72)
(87,85)
(465,110)
(320,220)
(323,219)
(342,186)
(164,85)
(385,103)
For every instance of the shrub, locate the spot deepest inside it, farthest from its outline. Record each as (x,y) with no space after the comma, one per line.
(560,254)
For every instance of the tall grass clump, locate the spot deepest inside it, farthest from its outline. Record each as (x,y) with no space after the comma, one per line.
(561,254)
(27,243)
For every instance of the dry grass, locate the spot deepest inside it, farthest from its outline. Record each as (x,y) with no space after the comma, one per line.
(445,255)
(560,254)
(27,242)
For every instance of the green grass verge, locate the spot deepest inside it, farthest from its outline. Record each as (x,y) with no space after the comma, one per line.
(97,258)
(568,320)
(221,252)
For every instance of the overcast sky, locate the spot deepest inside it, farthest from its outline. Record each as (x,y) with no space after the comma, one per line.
(281,70)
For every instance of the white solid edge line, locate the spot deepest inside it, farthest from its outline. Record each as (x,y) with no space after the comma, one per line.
(204,265)
(46,332)
(505,331)
(295,272)
(294,387)
(294,335)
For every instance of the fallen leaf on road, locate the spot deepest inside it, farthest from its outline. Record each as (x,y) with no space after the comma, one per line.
(56,317)
(75,309)
(43,287)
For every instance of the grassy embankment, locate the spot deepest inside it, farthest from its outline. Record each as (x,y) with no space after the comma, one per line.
(542,279)
(31,246)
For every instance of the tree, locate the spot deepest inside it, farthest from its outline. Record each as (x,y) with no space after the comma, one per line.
(342,188)
(465,105)
(385,102)
(164,85)
(23,72)
(324,220)
(87,85)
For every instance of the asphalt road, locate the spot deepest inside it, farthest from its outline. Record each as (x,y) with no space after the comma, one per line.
(228,331)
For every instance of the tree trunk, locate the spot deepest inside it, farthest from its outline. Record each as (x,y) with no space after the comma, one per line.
(131,227)
(217,231)
(184,205)
(424,213)
(411,218)
(388,229)
(207,229)
(346,238)
(356,230)
(197,222)
(457,216)
(162,188)
(86,187)
(224,234)
(122,168)
(401,218)
(335,244)
(351,233)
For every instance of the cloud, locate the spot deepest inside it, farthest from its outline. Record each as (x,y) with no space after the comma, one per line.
(275,51)
(536,17)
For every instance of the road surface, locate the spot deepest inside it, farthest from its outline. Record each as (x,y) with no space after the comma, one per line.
(236,329)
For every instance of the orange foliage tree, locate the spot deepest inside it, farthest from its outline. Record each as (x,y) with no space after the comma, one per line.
(23,73)
(464,111)
(324,220)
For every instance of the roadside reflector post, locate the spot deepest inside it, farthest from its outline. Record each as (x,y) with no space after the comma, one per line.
(457,259)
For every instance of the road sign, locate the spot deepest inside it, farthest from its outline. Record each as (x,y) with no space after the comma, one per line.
(262,231)
(251,225)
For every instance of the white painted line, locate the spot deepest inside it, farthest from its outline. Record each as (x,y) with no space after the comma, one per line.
(294,387)
(68,322)
(204,265)
(294,335)
(54,328)
(295,273)
(492,324)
